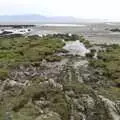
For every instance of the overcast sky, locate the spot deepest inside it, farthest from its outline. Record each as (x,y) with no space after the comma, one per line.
(102,9)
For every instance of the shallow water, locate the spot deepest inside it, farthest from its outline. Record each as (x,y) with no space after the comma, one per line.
(62,25)
(76,48)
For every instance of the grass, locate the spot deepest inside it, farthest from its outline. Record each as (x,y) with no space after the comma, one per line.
(85,42)
(66,37)
(109,62)
(28,49)
(19,50)
(72,37)
(113,93)
(22,107)
(4,73)
(80,88)
(91,54)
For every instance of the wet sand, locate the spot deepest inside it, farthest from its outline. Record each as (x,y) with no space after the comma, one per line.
(98,33)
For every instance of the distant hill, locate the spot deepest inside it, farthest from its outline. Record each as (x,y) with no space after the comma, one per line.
(43,19)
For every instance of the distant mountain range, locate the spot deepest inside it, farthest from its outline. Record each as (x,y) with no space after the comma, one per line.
(44,19)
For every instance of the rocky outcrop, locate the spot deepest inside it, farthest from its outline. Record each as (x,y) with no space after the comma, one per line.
(49,116)
(111,107)
(61,91)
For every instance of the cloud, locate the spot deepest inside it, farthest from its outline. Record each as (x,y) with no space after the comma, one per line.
(78,8)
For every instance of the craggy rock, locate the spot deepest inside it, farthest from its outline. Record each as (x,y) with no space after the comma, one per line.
(49,116)
(111,107)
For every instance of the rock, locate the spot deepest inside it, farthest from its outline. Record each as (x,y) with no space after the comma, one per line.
(118,106)
(13,83)
(27,73)
(52,83)
(34,74)
(22,67)
(67,98)
(70,93)
(8,116)
(80,63)
(44,62)
(110,106)
(89,101)
(42,103)
(79,116)
(49,116)
(78,105)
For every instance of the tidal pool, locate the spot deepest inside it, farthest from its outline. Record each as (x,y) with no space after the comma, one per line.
(76,48)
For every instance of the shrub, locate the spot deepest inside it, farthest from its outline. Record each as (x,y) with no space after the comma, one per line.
(53,58)
(115,30)
(3,74)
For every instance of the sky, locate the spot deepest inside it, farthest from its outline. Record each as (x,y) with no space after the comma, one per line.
(91,9)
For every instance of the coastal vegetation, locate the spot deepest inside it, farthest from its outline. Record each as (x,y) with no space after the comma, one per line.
(26,49)
(115,30)
(71,37)
(17,26)
(37,82)
(15,49)
(108,62)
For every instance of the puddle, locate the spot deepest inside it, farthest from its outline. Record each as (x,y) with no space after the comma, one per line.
(76,48)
